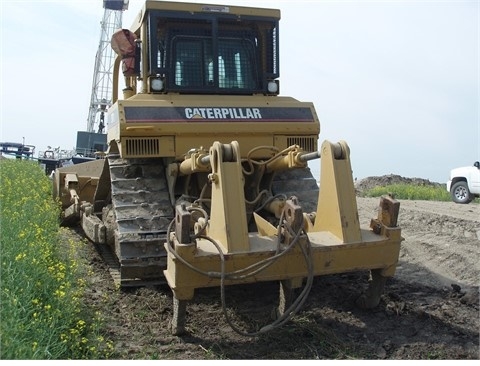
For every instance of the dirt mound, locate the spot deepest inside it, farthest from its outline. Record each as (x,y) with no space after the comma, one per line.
(368,183)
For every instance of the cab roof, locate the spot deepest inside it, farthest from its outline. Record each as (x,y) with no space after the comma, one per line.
(204,8)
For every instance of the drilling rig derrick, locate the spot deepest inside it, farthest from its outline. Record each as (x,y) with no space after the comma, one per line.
(94,139)
(101,97)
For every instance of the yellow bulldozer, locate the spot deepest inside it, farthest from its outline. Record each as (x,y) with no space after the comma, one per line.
(206,179)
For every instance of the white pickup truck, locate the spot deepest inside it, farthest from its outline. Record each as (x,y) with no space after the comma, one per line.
(464,183)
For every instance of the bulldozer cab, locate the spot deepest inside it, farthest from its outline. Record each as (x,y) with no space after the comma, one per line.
(203,49)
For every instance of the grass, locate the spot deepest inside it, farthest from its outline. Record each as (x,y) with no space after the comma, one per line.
(42,282)
(411,192)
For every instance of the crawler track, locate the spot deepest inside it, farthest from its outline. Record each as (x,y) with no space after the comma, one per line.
(299,183)
(139,215)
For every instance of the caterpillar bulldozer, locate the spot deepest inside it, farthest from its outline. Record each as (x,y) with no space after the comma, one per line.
(206,179)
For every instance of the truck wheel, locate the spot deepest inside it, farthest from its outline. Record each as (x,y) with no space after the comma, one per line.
(460,193)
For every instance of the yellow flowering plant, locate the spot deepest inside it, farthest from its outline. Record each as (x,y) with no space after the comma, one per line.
(42,313)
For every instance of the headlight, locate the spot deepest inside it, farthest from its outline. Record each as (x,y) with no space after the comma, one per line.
(156,84)
(272,87)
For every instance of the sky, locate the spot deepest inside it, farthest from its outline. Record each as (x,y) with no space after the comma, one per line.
(399,81)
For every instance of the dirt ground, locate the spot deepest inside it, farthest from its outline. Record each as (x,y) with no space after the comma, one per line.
(430,309)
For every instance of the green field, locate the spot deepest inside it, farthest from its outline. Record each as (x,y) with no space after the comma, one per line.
(42,282)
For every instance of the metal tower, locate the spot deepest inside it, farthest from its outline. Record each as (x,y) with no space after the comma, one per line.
(101,98)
